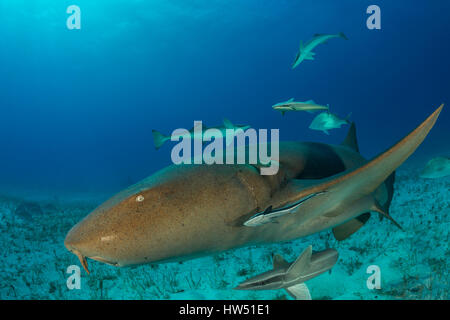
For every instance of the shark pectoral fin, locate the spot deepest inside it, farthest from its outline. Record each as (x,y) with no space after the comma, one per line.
(377,208)
(366,179)
(310,56)
(159,139)
(227,124)
(279,262)
(326,132)
(348,228)
(299,292)
(343,36)
(350,140)
(301,264)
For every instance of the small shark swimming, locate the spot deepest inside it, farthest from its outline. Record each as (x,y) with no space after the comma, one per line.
(291,105)
(291,276)
(326,121)
(185,211)
(438,167)
(159,139)
(305,51)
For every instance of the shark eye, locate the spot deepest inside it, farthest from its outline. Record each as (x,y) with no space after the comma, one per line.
(140,198)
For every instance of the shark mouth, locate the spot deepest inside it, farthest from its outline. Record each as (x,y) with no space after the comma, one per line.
(115,264)
(83,260)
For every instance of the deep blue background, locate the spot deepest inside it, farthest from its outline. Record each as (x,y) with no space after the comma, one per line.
(77,106)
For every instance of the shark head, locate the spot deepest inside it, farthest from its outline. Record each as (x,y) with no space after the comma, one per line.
(172,215)
(141,224)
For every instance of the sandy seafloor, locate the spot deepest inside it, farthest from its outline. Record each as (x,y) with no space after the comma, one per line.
(414,263)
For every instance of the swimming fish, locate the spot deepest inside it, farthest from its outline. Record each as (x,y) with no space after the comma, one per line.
(291,105)
(186,211)
(269,215)
(436,168)
(291,276)
(159,139)
(327,120)
(305,51)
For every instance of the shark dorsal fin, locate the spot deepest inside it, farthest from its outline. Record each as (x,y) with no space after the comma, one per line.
(301,264)
(227,123)
(279,262)
(290,100)
(310,101)
(268,210)
(350,140)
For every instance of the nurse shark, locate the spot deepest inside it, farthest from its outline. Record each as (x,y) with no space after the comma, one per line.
(186,211)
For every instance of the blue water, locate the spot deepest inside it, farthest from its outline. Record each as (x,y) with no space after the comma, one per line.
(77,107)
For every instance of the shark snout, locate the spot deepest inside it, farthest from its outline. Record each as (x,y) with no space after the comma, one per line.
(83,250)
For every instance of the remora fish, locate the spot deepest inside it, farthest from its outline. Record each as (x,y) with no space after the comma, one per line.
(291,105)
(291,276)
(305,51)
(185,211)
(270,214)
(327,120)
(436,168)
(159,139)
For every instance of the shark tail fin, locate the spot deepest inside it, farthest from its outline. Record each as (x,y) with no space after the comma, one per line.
(351,140)
(158,139)
(228,124)
(343,36)
(299,292)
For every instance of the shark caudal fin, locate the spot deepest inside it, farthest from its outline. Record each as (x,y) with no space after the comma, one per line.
(158,139)
(227,124)
(343,36)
